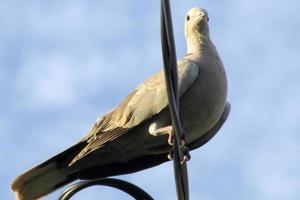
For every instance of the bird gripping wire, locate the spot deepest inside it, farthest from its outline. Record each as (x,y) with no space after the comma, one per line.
(180,151)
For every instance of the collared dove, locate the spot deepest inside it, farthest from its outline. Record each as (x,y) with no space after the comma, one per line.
(131,137)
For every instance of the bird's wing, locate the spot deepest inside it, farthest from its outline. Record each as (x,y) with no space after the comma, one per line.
(146,100)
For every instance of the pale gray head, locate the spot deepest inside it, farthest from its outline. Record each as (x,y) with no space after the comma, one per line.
(196,22)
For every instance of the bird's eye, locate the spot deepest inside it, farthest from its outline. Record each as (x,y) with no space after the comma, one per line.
(207,19)
(187,18)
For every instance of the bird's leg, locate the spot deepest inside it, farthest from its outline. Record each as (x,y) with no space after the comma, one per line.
(163,131)
(169,130)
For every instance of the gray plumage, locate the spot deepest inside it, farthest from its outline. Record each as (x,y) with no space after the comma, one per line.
(122,138)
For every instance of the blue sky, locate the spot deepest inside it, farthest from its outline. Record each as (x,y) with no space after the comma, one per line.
(62,64)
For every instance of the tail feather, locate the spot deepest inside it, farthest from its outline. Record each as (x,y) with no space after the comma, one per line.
(46,177)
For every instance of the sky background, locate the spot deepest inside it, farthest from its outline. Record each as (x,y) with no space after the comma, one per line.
(64,63)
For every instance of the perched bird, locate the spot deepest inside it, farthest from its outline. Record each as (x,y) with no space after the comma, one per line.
(133,135)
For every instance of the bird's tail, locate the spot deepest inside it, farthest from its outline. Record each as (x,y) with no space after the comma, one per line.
(46,177)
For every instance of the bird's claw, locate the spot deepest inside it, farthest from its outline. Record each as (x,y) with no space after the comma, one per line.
(170,155)
(182,145)
(184,151)
(171,138)
(186,154)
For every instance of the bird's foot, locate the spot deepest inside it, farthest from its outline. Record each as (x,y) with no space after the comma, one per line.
(167,130)
(184,152)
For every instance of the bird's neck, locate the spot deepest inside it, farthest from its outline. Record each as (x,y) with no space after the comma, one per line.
(197,43)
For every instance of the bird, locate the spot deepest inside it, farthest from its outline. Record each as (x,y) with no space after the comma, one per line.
(137,134)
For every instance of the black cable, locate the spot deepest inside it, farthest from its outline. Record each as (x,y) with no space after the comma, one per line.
(170,66)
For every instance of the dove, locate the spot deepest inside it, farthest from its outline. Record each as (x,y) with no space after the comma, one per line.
(137,134)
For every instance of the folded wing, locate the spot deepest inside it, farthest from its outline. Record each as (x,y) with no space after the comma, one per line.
(146,100)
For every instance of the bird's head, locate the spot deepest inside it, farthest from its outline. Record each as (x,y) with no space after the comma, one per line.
(196,22)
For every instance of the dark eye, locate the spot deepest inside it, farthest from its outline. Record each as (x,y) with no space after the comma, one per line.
(208,19)
(187,18)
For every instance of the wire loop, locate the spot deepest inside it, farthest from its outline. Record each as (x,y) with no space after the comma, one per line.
(124,186)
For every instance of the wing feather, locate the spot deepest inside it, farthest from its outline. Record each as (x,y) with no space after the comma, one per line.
(146,100)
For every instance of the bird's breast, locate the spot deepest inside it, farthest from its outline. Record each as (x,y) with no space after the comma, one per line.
(203,104)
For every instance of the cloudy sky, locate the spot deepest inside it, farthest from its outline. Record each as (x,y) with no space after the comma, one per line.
(64,63)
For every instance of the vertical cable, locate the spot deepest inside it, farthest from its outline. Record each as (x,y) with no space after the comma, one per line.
(171,75)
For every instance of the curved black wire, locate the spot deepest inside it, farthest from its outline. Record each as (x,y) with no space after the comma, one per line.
(129,188)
